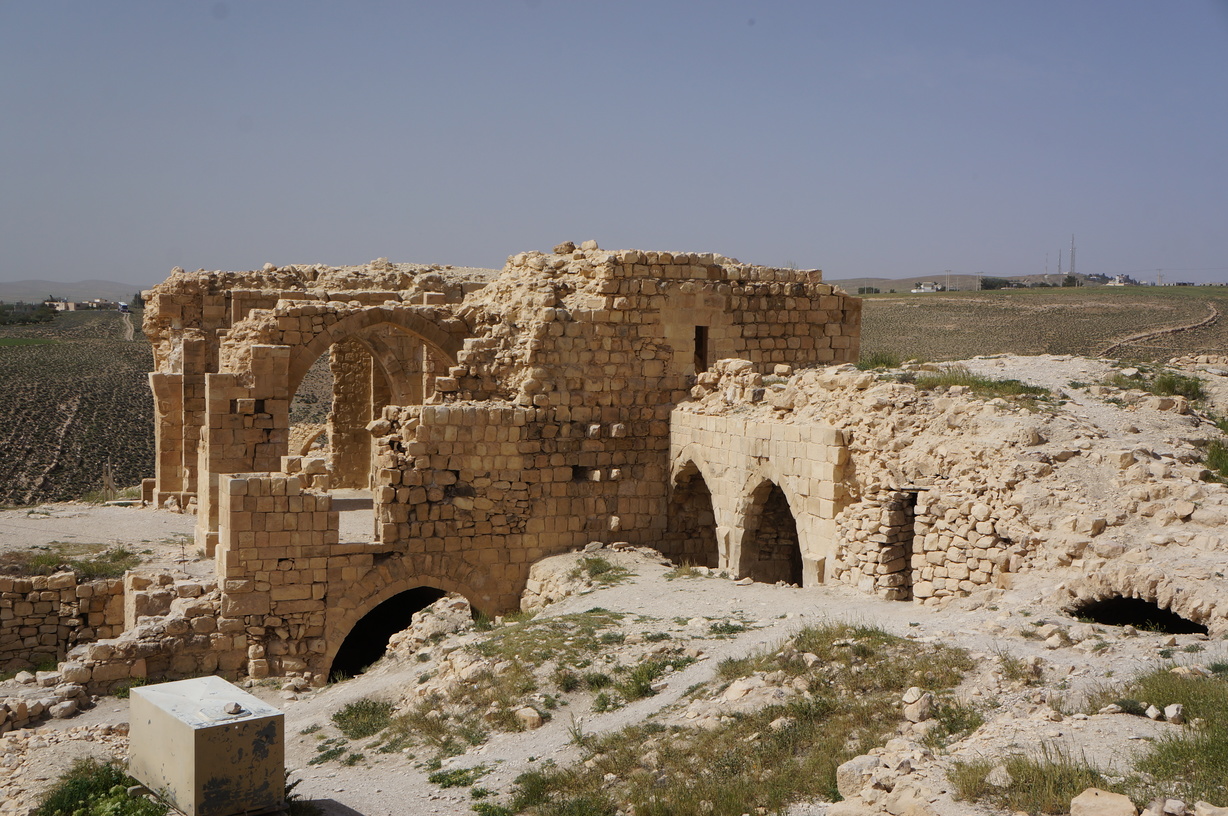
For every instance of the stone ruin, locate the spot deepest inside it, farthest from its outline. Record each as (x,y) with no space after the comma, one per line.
(685,402)
(496,418)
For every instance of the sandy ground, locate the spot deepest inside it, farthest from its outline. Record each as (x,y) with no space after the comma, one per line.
(384,784)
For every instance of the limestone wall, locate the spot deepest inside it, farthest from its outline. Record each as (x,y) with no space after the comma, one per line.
(738,456)
(44,616)
(277,557)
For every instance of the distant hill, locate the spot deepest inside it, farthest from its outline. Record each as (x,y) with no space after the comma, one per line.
(34,291)
(959,283)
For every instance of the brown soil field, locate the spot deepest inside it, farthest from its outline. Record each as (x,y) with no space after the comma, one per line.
(73,397)
(1077,321)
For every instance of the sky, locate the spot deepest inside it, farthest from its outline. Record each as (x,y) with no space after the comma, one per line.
(871,138)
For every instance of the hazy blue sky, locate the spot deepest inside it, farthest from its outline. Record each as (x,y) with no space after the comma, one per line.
(864,138)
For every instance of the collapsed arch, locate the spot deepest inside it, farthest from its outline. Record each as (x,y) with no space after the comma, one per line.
(771,550)
(1118,610)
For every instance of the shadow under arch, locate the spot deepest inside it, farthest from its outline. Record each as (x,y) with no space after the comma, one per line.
(771,550)
(343,622)
(690,535)
(367,640)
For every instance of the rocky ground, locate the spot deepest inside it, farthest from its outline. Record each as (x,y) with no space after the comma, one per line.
(698,619)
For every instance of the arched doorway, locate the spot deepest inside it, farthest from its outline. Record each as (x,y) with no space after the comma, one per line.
(368,639)
(690,536)
(771,550)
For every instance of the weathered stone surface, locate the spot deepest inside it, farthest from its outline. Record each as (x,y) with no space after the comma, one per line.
(1096,802)
(852,775)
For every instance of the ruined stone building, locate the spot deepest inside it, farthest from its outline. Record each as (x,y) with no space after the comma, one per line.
(495,421)
(684,402)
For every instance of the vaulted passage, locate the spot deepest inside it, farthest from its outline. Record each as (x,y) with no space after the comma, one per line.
(690,536)
(1136,612)
(771,550)
(368,640)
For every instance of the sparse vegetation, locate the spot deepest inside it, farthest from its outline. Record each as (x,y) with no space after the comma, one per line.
(1165,383)
(88,561)
(123,689)
(363,718)
(981,386)
(600,571)
(1044,783)
(852,706)
(458,777)
(878,359)
(1217,459)
(91,788)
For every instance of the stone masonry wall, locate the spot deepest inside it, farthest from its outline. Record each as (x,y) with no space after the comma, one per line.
(278,555)
(737,456)
(44,616)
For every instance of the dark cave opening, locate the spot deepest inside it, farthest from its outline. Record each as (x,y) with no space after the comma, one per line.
(368,640)
(1136,612)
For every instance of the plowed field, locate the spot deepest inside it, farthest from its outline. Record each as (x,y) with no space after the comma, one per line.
(69,406)
(1087,321)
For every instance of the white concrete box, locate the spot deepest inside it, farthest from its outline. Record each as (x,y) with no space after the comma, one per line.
(208,747)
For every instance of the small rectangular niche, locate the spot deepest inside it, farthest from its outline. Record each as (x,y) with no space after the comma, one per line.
(701,349)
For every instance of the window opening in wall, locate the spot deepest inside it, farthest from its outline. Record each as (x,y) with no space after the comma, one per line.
(310,408)
(701,349)
(772,552)
(690,536)
(1136,612)
(368,640)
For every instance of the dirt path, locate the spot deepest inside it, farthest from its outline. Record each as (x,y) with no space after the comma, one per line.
(129,331)
(1209,320)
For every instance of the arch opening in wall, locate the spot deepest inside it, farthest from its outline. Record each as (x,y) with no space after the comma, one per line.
(690,535)
(368,640)
(771,549)
(1119,610)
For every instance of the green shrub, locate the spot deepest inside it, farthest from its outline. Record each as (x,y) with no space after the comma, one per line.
(458,777)
(88,561)
(123,690)
(91,788)
(1171,384)
(600,571)
(1217,459)
(363,718)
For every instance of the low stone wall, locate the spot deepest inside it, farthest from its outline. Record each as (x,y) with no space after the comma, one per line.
(44,616)
(878,537)
(914,544)
(190,640)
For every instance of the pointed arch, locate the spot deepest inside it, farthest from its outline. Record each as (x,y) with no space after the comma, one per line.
(690,536)
(771,550)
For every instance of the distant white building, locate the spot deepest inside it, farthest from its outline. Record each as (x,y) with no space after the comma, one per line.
(1122,280)
(927,286)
